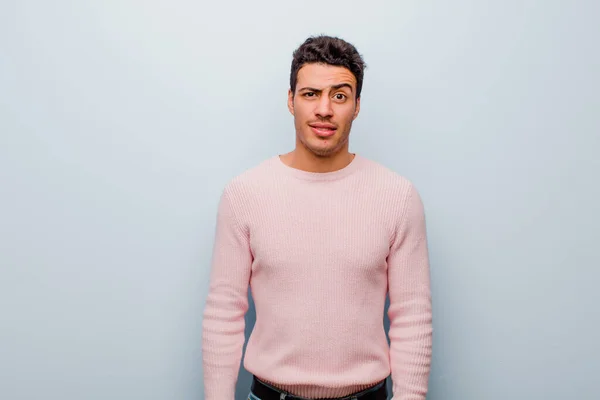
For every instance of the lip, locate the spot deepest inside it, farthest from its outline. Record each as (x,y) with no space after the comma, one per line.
(323,130)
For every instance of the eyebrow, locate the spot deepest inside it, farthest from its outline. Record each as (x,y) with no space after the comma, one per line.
(334,87)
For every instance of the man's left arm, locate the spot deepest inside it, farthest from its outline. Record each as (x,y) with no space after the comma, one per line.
(410,303)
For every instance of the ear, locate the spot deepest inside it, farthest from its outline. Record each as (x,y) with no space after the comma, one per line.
(290,101)
(357,108)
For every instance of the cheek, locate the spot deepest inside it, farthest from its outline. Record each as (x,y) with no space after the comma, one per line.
(347,115)
(302,113)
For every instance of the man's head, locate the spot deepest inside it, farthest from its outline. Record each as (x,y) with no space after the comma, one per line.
(324,96)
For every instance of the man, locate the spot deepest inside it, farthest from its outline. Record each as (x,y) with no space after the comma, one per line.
(321,235)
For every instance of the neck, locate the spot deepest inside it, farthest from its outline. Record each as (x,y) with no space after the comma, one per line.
(310,162)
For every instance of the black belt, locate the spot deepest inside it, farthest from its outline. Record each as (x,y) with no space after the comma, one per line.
(266,392)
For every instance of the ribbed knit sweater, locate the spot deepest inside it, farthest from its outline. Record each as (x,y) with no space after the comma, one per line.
(320,251)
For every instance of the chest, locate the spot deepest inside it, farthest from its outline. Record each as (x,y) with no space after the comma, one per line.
(346,234)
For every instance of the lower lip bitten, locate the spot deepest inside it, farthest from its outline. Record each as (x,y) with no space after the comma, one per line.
(323,131)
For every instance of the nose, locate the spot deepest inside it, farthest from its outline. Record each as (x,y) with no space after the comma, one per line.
(324,109)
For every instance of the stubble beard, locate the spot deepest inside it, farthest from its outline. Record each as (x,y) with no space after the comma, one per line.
(330,150)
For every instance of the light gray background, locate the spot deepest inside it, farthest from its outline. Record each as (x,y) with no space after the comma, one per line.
(120,123)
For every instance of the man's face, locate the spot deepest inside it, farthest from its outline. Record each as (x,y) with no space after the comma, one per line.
(324,106)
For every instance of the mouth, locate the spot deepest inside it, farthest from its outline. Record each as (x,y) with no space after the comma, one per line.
(323,130)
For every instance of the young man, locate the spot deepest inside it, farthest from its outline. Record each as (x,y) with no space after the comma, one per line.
(321,235)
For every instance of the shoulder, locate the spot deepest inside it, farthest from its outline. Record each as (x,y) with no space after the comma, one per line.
(256,177)
(388,180)
(394,190)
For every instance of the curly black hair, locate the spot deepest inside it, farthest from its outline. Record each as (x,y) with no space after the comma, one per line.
(328,50)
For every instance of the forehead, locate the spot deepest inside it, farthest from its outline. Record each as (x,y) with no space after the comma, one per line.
(323,75)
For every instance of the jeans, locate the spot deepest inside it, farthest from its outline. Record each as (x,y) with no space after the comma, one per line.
(252,396)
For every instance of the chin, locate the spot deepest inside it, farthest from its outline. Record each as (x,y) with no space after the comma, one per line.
(324,151)
(321,147)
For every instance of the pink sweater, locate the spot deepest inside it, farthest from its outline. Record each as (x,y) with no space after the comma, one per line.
(319,251)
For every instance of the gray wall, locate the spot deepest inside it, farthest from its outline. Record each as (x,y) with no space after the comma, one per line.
(120,122)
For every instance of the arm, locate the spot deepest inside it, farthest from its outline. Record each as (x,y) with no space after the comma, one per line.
(410,304)
(226,305)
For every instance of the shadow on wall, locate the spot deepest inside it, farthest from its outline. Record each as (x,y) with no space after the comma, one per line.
(245,378)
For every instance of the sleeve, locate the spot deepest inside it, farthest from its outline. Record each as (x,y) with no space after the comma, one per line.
(226,305)
(410,304)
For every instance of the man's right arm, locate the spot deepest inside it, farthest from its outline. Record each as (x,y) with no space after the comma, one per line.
(226,305)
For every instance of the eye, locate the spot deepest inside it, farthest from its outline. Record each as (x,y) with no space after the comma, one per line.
(309,94)
(340,96)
